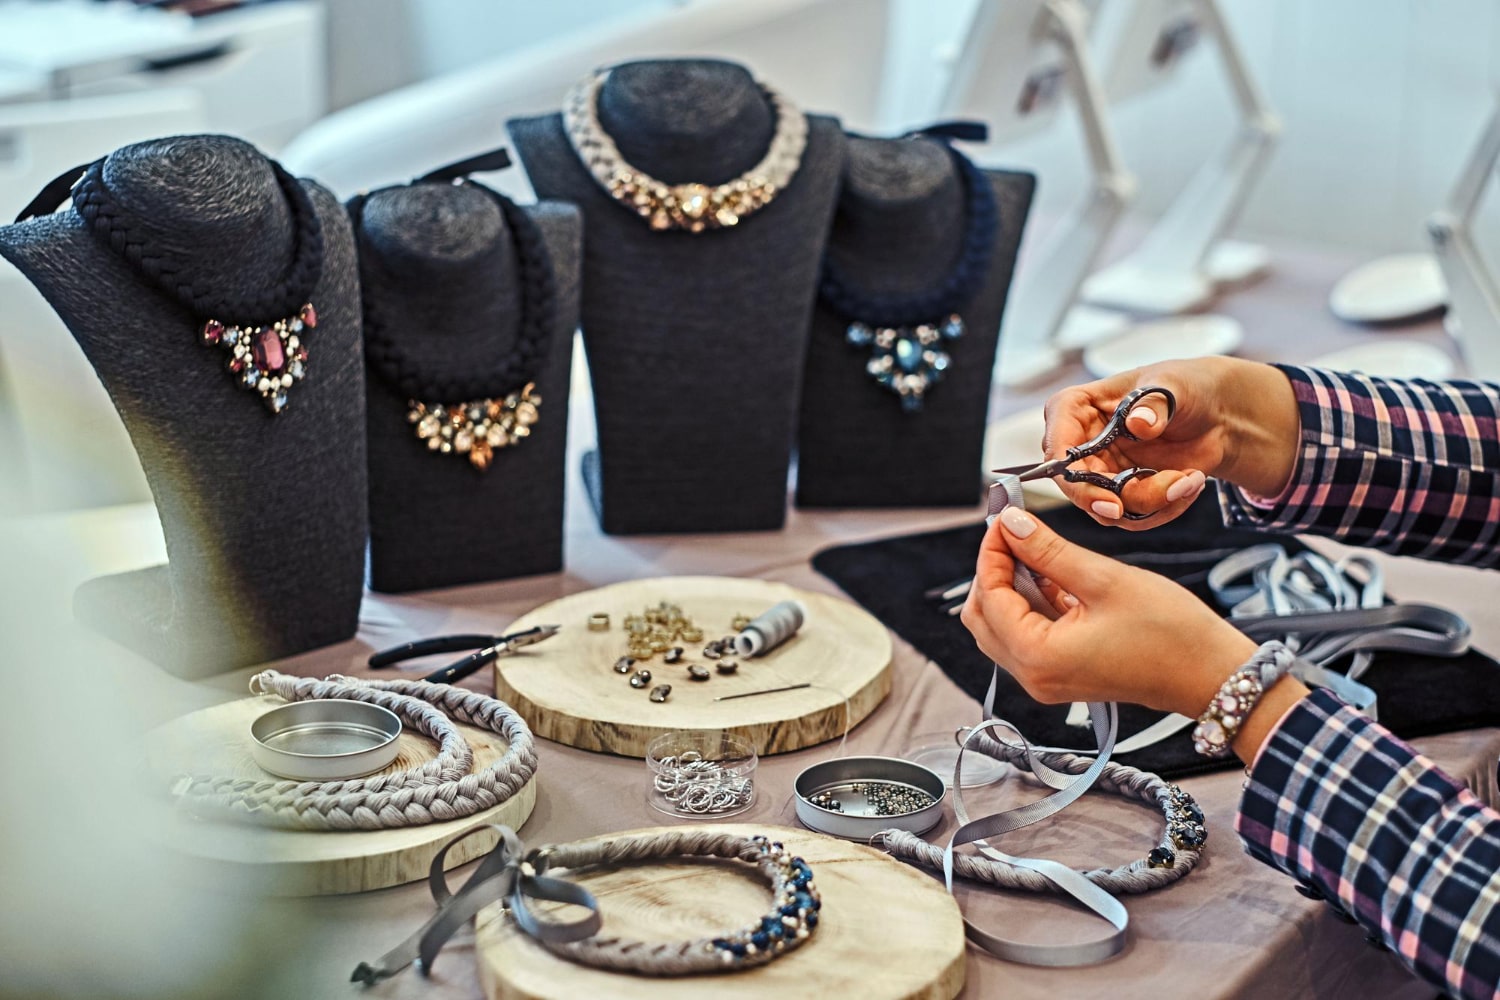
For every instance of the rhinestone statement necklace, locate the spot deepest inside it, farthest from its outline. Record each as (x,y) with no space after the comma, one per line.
(907,335)
(477,414)
(263,329)
(692,208)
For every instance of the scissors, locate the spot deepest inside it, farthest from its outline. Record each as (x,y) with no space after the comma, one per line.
(1113,430)
(491,647)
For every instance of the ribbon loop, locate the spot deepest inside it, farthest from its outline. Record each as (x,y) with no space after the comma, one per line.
(494,159)
(57,191)
(509,874)
(961,130)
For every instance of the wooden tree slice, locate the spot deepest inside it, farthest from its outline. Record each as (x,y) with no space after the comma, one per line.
(886,930)
(312,863)
(567,690)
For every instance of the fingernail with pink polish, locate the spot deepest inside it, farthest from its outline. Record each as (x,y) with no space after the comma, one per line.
(1041,581)
(1069,600)
(1105,508)
(1017,522)
(1187,486)
(1145,415)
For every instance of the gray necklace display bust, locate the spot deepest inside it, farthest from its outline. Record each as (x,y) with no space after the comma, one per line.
(695,341)
(898,230)
(264,516)
(440,272)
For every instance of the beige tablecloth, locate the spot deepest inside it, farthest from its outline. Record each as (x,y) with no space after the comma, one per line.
(1233,928)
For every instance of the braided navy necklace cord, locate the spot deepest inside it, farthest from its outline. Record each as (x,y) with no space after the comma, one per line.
(109,221)
(473,414)
(905,332)
(262,332)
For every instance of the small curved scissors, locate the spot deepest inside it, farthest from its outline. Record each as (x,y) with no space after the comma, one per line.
(1112,430)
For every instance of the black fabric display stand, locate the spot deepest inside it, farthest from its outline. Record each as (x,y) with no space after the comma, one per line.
(695,342)
(439,270)
(264,516)
(898,229)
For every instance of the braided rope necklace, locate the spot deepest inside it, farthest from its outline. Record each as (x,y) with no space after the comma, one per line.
(437,791)
(516,876)
(690,207)
(473,414)
(262,331)
(905,334)
(1176,853)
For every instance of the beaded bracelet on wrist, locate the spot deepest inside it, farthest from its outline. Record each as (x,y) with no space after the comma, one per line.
(1237,698)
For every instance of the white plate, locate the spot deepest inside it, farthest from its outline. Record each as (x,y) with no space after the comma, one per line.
(1164,340)
(1391,359)
(1392,289)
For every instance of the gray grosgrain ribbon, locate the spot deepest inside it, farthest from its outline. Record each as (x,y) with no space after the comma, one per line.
(509,873)
(1006,492)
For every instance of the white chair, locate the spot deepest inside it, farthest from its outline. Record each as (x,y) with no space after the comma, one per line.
(63,444)
(827,55)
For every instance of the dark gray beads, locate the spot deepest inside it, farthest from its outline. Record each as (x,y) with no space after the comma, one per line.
(640,678)
(625,664)
(698,673)
(727,666)
(661,693)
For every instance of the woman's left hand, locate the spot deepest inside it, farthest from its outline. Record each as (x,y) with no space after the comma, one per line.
(1122,633)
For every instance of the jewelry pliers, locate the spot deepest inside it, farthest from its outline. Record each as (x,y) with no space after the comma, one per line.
(491,647)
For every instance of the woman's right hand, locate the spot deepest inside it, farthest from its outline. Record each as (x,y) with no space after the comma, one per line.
(1235,420)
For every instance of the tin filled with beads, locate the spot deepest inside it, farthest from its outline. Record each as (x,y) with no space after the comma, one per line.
(857,797)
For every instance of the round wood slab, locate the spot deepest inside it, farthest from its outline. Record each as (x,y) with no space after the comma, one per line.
(313,862)
(567,690)
(886,930)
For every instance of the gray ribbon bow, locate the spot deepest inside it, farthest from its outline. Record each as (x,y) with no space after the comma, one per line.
(509,873)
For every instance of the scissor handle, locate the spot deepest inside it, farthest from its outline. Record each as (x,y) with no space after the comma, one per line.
(1115,428)
(1115,484)
(427,647)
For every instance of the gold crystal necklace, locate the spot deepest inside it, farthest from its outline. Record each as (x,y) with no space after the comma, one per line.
(690,207)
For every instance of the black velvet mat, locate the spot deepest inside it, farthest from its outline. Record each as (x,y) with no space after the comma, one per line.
(1418,695)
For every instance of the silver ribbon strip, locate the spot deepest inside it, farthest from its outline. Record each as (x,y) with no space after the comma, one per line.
(1006,492)
(510,873)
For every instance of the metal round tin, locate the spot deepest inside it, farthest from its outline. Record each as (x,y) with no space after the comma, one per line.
(857,820)
(325,739)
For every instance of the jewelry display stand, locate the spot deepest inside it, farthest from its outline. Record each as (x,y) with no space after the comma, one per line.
(899,228)
(568,691)
(920,955)
(1018,59)
(1185,258)
(439,270)
(695,342)
(310,862)
(264,515)
(1474,296)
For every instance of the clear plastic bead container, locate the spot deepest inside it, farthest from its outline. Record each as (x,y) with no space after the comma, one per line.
(700,774)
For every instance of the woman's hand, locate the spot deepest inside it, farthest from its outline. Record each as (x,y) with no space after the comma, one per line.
(1235,420)
(1124,634)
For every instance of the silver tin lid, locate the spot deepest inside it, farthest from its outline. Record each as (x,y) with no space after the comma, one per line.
(325,739)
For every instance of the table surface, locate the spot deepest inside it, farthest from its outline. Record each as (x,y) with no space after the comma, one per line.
(1232,928)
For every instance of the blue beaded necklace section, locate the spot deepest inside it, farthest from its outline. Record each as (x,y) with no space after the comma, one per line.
(907,336)
(791,922)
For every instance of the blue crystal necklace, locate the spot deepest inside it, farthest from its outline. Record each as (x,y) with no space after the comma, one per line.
(907,336)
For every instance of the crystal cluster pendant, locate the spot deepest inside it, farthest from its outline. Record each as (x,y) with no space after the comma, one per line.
(907,360)
(476,428)
(265,359)
(693,207)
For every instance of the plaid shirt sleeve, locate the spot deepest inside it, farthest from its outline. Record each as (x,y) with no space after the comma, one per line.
(1411,467)
(1362,820)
